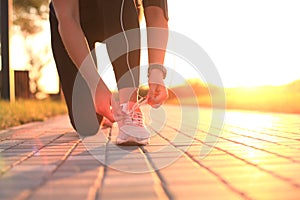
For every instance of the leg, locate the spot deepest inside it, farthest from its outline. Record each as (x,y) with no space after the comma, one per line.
(120,16)
(122,36)
(84,110)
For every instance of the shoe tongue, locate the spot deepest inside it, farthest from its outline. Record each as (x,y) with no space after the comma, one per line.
(127,107)
(124,107)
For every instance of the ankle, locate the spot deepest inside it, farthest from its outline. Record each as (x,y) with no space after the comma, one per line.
(128,95)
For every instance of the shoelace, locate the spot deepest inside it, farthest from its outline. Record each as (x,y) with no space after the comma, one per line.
(135,117)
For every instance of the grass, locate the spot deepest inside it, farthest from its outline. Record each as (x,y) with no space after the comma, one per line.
(268,101)
(264,103)
(279,99)
(24,111)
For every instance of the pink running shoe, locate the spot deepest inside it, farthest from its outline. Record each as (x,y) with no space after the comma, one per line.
(132,130)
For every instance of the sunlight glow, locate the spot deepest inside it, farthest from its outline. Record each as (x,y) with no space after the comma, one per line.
(248,49)
(250,120)
(252,43)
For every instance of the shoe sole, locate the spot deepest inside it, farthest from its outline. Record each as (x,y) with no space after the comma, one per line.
(132,142)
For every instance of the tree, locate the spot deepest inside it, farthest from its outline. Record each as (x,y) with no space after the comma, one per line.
(28,14)
(28,19)
(37,64)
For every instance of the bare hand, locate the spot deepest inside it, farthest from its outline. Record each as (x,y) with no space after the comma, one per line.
(103,101)
(157,95)
(158,92)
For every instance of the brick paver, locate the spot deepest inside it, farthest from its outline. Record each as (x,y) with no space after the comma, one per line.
(257,156)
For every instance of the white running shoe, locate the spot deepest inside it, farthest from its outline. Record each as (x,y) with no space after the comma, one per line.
(132,130)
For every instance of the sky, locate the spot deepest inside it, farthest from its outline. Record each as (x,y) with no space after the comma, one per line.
(251,43)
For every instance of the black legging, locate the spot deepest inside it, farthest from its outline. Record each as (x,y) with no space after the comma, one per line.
(100,19)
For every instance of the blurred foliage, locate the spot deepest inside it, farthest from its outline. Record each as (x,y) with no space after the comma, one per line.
(284,98)
(28,14)
(280,99)
(28,19)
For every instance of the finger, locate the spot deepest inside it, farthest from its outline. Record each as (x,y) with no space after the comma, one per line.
(116,110)
(151,93)
(110,116)
(161,95)
(114,104)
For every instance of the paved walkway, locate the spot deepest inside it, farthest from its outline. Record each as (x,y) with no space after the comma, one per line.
(257,156)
